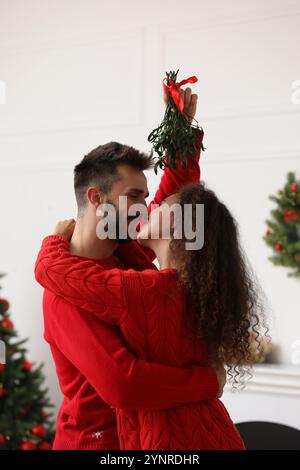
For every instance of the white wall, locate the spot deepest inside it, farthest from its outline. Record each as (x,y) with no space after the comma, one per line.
(80,73)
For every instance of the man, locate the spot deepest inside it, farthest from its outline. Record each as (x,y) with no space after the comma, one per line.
(96,371)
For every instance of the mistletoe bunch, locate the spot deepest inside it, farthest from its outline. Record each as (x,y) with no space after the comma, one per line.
(175,137)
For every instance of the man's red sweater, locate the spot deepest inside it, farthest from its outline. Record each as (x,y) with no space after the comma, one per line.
(96,369)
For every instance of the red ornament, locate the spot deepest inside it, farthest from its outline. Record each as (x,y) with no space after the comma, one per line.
(39,431)
(278,247)
(295,216)
(288,215)
(45,446)
(2,367)
(28,445)
(6,323)
(2,440)
(2,391)
(294,187)
(4,304)
(27,366)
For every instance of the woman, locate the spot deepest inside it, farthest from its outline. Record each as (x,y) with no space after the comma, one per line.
(199,308)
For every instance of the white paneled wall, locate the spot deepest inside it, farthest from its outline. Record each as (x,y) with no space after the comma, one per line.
(80,73)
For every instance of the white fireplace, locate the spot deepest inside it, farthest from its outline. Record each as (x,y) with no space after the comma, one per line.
(273,394)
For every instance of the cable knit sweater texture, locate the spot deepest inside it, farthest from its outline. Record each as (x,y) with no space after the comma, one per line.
(149,308)
(161,406)
(113,396)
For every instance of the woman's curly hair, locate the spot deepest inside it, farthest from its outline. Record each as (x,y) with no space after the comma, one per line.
(223,298)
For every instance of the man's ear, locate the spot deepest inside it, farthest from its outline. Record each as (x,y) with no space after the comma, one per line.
(94,196)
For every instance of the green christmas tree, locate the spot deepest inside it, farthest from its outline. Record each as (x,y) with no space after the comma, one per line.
(283,233)
(25,422)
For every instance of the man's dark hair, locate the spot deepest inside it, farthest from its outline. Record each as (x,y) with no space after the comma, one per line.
(99,167)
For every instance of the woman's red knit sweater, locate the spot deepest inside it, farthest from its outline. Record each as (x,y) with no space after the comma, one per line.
(149,308)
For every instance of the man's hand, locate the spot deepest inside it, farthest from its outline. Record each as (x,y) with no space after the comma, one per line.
(65,228)
(189,100)
(221,376)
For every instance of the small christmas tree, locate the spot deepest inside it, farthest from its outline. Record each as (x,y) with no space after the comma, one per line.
(283,233)
(24,422)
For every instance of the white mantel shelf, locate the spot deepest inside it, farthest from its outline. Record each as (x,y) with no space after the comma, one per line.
(272,395)
(275,379)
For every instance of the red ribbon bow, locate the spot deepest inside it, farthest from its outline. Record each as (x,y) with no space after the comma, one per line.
(288,215)
(174,90)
